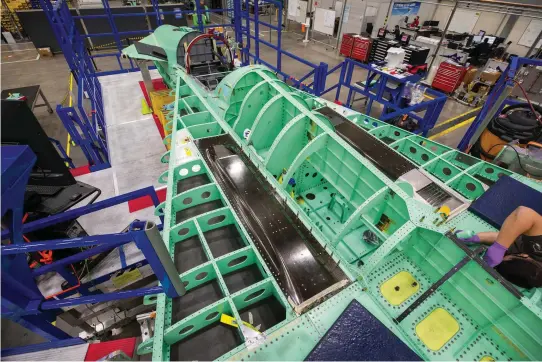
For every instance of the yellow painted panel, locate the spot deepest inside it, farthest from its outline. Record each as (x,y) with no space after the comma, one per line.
(437,329)
(399,288)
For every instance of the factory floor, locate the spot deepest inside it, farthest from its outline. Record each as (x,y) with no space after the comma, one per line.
(21,66)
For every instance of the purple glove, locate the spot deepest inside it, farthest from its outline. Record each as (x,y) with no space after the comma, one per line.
(467,236)
(495,254)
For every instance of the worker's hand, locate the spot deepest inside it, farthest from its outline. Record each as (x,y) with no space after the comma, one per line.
(467,236)
(495,254)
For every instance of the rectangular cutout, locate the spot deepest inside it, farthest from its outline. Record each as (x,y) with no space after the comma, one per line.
(266,313)
(207,344)
(194,300)
(198,210)
(192,182)
(189,254)
(242,278)
(224,240)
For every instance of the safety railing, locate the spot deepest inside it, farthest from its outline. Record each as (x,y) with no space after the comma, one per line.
(386,89)
(251,46)
(23,301)
(84,119)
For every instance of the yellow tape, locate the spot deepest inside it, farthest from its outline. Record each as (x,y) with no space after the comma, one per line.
(459,116)
(70,103)
(229,320)
(126,278)
(453,128)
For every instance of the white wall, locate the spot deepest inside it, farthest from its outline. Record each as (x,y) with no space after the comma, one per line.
(425,13)
(490,22)
(443,13)
(517,31)
(355,17)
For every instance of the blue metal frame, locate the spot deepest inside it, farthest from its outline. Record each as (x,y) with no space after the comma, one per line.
(41,347)
(244,36)
(62,152)
(88,130)
(505,81)
(21,299)
(433,107)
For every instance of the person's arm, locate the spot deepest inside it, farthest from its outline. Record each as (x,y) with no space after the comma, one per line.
(523,221)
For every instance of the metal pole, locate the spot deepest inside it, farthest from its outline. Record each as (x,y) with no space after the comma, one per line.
(147,20)
(158,257)
(340,27)
(388,13)
(76,2)
(270,21)
(279,39)
(443,35)
(533,47)
(309,28)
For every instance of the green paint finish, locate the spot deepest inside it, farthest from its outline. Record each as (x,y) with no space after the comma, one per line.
(341,196)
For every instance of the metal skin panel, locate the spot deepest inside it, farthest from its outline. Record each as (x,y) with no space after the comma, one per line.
(340,190)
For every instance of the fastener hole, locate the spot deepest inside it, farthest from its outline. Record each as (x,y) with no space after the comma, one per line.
(254,295)
(216,219)
(186,330)
(212,316)
(237,261)
(310,196)
(183,231)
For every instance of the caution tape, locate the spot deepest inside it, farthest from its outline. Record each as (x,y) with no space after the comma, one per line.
(114,43)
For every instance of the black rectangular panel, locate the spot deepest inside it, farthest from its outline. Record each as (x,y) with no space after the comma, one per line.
(300,264)
(391,163)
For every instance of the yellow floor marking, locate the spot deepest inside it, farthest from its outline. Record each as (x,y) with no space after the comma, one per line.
(456,117)
(453,128)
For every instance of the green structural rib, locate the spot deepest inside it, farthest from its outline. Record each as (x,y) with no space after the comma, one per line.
(342,196)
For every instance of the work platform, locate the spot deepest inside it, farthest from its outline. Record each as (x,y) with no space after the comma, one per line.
(287,217)
(328,206)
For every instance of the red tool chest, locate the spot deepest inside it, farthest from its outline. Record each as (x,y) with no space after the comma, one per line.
(361,49)
(347,44)
(448,77)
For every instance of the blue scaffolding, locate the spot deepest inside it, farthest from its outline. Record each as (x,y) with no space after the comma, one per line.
(22,301)
(387,90)
(86,122)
